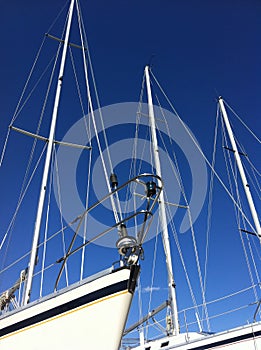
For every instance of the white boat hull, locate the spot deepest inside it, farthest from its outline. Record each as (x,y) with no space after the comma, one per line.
(243,338)
(91,315)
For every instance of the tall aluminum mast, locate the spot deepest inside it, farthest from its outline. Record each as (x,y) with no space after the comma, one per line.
(162,211)
(37,226)
(240,168)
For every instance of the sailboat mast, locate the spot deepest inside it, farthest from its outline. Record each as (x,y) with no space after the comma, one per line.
(37,226)
(162,210)
(240,168)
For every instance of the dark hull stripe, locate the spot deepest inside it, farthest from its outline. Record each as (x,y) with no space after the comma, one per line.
(73,304)
(239,338)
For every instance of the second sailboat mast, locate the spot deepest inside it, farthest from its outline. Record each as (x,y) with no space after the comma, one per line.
(162,210)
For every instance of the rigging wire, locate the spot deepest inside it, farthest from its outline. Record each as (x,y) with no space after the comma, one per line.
(253,168)
(233,172)
(175,235)
(255,184)
(83,34)
(210,202)
(153,273)
(179,180)
(39,246)
(176,239)
(46,228)
(84,40)
(175,169)
(132,168)
(16,112)
(40,121)
(61,214)
(139,288)
(138,117)
(136,166)
(88,133)
(251,132)
(178,177)
(54,58)
(11,224)
(18,109)
(201,152)
(87,194)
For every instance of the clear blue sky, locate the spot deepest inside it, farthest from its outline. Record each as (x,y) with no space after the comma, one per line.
(201,49)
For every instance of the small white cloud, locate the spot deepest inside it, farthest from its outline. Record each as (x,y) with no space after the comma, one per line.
(149,289)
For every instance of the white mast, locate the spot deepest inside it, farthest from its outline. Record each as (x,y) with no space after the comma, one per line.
(162,211)
(33,256)
(240,168)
